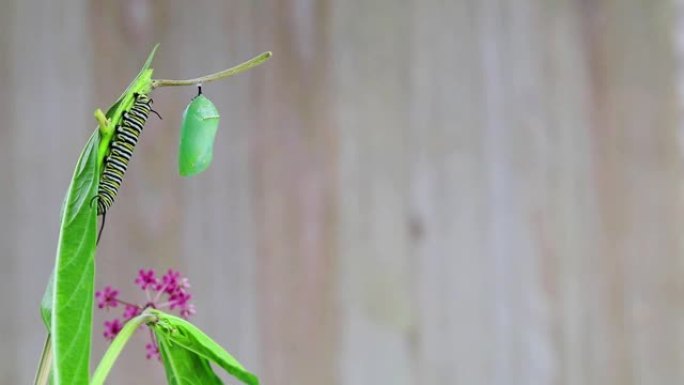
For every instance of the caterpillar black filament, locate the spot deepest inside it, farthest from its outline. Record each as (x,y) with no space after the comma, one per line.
(120,151)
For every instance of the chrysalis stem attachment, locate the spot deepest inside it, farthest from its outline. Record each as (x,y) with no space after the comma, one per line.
(251,63)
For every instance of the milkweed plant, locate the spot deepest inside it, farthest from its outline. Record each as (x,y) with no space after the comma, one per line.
(165,305)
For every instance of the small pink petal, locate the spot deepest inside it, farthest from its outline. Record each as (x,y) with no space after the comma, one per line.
(107,298)
(152,351)
(130,312)
(146,279)
(112,328)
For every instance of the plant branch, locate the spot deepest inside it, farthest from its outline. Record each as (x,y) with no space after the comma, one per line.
(112,353)
(45,365)
(253,62)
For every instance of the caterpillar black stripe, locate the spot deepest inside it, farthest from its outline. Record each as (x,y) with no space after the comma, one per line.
(120,151)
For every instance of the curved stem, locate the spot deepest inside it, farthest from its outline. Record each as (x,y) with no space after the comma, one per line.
(253,62)
(127,303)
(45,366)
(112,353)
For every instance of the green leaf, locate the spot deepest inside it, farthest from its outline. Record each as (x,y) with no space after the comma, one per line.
(142,84)
(181,334)
(184,367)
(198,131)
(66,307)
(72,289)
(135,85)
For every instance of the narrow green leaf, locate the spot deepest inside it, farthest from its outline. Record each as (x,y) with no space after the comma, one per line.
(46,315)
(46,302)
(198,131)
(72,290)
(142,84)
(184,367)
(180,333)
(135,84)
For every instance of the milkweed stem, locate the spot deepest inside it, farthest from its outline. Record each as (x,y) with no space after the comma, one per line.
(117,345)
(253,62)
(45,366)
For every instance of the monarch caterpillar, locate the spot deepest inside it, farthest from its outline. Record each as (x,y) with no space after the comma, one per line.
(120,151)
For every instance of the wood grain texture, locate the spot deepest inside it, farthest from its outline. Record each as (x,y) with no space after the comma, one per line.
(409,192)
(9,277)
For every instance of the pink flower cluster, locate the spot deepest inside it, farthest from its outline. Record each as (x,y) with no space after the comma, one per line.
(169,291)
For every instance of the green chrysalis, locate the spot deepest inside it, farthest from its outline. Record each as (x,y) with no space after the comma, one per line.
(198,131)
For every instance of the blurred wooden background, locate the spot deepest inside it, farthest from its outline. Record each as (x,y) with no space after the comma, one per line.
(409,192)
